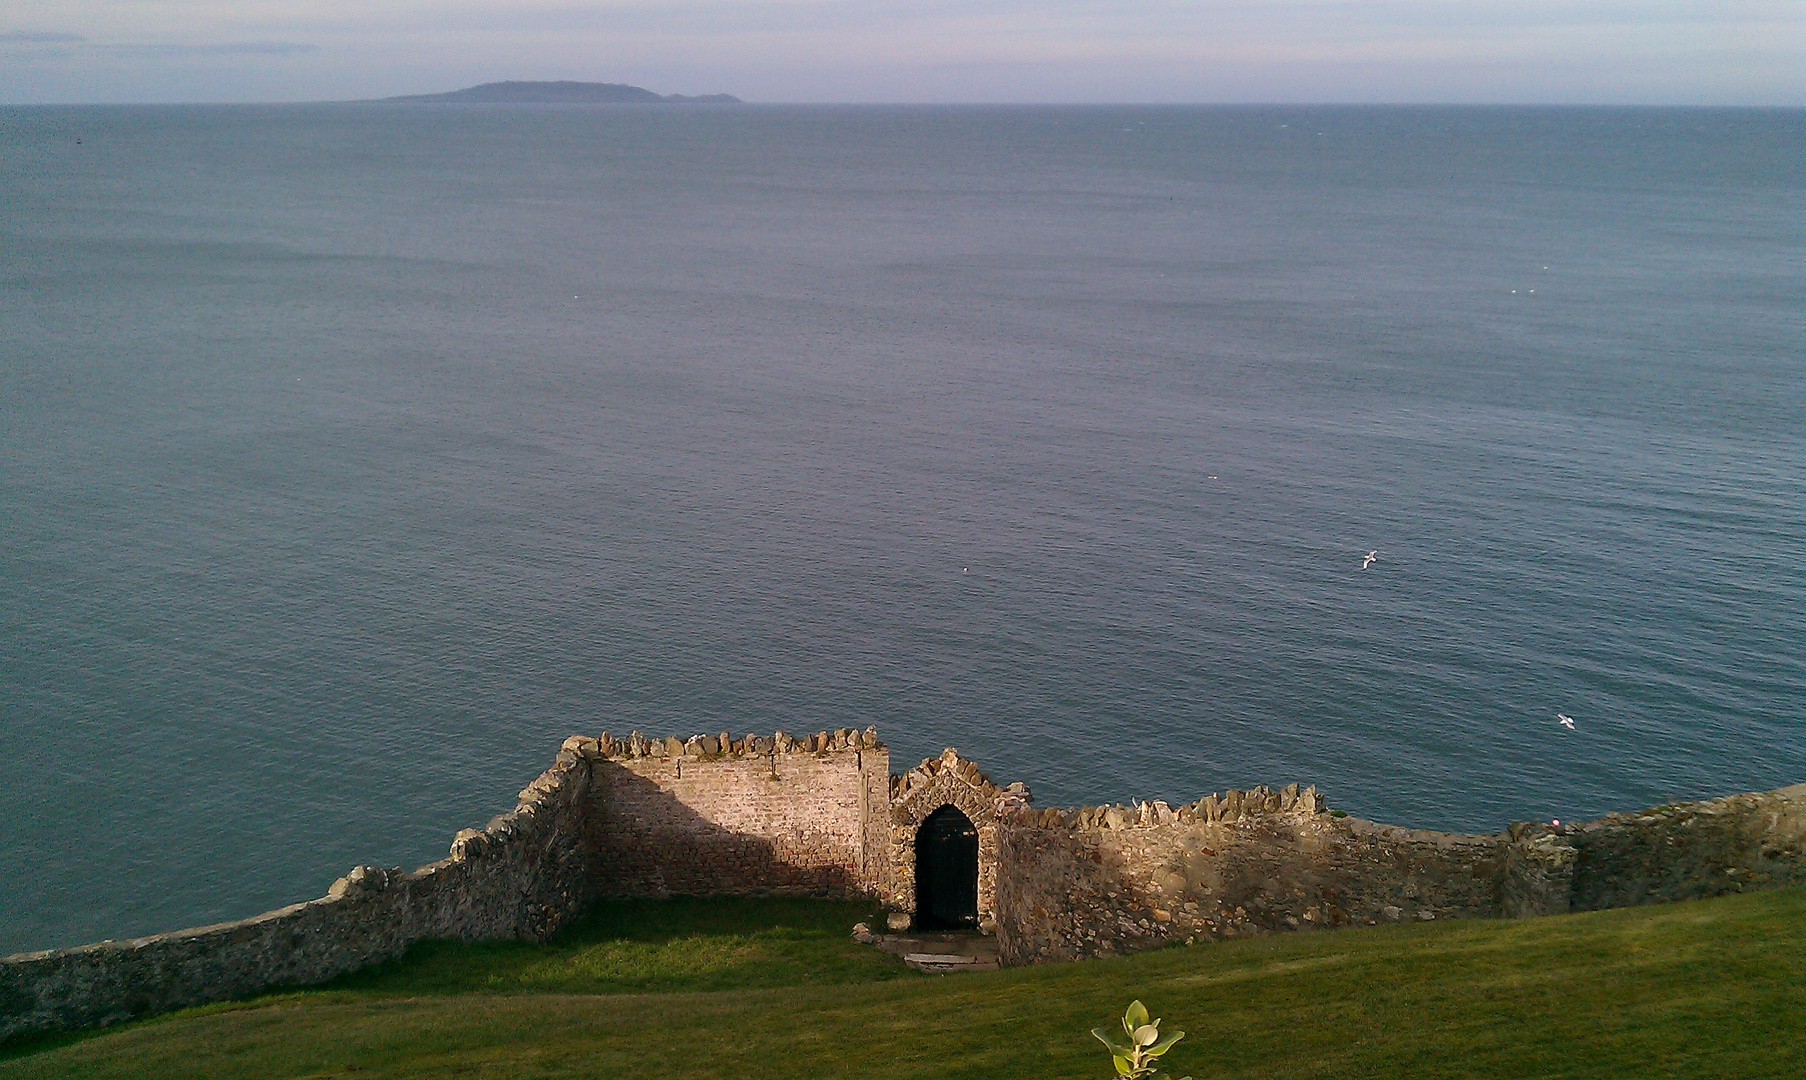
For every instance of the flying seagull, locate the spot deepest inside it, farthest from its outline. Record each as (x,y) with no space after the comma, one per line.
(1371,558)
(1566,721)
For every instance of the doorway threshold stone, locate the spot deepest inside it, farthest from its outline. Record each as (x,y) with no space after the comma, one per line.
(940,952)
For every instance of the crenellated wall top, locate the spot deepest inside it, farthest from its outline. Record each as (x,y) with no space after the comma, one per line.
(723,745)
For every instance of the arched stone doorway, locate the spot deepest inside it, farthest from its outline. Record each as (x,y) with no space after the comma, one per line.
(946,871)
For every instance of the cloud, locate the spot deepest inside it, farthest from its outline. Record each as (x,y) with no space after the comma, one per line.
(236,48)
(39,37)
(170,49)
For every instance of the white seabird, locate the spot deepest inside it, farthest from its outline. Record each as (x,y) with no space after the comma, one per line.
(1371,558)
(1565,721)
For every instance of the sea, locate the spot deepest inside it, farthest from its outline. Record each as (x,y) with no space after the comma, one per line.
(352,456)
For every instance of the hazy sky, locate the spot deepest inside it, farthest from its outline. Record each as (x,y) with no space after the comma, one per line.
(1653,51)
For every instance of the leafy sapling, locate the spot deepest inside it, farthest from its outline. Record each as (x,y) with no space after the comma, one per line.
(1137,1056)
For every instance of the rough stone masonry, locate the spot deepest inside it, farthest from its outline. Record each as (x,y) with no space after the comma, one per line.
(823,815)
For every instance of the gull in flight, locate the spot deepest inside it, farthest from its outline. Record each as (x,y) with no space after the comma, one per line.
(1565,721)
(1370,558)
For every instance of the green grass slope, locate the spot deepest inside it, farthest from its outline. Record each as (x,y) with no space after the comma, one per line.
(774,989)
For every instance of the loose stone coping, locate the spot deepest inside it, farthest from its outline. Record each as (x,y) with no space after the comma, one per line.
(719,745)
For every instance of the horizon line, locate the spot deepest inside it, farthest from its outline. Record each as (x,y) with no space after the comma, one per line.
(402,99)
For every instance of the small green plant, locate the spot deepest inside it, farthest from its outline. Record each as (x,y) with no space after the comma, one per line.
(1138,1058)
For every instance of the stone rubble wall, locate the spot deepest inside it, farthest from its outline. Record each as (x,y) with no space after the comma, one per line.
(1690,851)
(523,876)
(714,815)
(821,815)
(1099,881)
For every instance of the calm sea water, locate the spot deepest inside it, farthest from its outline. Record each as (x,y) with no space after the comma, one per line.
(351,457)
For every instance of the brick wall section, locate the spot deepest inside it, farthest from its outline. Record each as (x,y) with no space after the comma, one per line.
(713,815)
(875,824)
(521,877)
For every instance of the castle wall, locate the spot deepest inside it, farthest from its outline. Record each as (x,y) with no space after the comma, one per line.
(718,816)
(1099,881)
(1105,880)
(522,876)
(1690,851)
(821,815)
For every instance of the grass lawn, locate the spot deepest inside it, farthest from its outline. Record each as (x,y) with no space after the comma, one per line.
(773,988)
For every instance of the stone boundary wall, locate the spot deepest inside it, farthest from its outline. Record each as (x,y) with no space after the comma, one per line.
(522,876)
(715,815)
(1689,851)
(1099,881)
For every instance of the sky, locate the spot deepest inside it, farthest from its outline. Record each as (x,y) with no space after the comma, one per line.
(1683,52)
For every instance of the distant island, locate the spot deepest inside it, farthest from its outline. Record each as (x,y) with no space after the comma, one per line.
(565,93)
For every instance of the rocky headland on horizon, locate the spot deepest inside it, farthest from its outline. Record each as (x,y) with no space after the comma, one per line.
(564,92)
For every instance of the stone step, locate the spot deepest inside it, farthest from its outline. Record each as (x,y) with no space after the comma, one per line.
(947,963)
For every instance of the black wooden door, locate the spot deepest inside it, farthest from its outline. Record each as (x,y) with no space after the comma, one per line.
(946,871)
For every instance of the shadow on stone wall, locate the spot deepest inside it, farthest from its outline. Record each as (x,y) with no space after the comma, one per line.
(648,842)
(1690,851)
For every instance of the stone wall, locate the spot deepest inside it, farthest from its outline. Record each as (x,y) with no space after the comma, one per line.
(1099,881)
(1690,851)
(821,815)
(706,815)
(522,876)
(713,815)
(1104,880)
